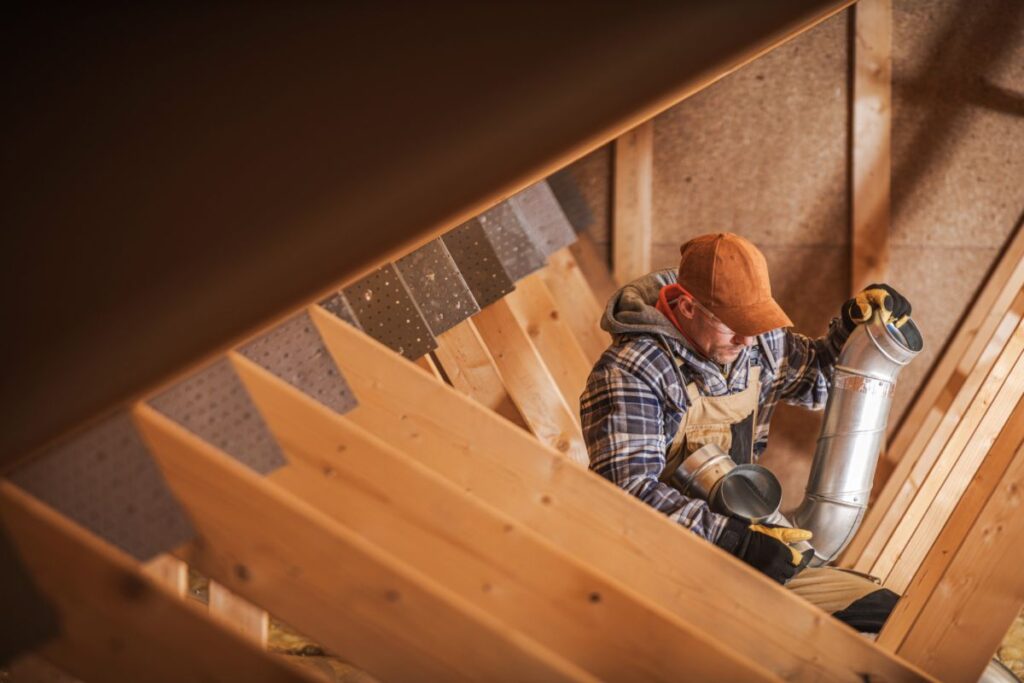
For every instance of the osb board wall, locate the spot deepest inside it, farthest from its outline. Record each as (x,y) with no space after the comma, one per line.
(765,153)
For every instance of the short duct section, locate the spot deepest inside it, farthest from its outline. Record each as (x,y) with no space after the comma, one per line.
(852,433)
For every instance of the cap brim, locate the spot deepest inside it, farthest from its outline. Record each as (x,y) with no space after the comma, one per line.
(754,319)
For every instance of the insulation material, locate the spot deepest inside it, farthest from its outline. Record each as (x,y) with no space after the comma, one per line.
(542,218)
(295,352)
(214,405)
(438,287)
(384,307)
(106,480)
(478,263)
(516,251)
(341,308)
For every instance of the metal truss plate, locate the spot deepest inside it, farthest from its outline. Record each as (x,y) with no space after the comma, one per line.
(543,218)
(341,308)
(384,307)
(478,263)
(515,250)
(106,480)
(438,287)
(214,405)
(295,352)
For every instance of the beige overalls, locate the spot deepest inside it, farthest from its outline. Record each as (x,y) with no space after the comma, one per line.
(729,421)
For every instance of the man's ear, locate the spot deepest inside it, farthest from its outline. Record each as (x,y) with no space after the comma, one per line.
(685,308)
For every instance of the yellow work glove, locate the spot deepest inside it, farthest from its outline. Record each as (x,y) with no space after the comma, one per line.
(766,547)
(890,304)
(787,536)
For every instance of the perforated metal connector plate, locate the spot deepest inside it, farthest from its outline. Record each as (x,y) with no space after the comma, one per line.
(479,264)
(295,352)
(214,405)
(106,480)
(341,308)
(515,250)
(440,291)
(384,307)
(542,218)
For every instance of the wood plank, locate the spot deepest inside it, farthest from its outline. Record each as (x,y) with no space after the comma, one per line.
(960,527)
(119,624)
(471,369)
(596,521)
(533,305)
(275,549)
(912,470)
(872,125)
(426,363)
(486,557)
(579,305)
(594,267)
(170,571)
(960,623)
(238,613)
(969,343)
(632,205)
(976,431)
(529,382)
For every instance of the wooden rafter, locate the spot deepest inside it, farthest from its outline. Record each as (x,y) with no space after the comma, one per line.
(632,222)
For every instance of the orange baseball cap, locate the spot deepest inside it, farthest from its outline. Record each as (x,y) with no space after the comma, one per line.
(729,276)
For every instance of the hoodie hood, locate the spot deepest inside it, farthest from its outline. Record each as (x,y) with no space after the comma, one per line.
(631,310)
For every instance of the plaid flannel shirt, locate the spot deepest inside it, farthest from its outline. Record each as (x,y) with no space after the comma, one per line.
(635,399)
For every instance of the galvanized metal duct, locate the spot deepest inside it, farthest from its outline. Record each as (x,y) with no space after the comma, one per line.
(852,433)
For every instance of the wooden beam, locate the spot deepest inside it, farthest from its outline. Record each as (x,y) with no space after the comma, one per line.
(471,369)
(529,382)
(426,363)
(971,587)
(239,614)
(533,305)
(872,124)
(899,491)
(968,344)
(119,624)
(171,572)
(487,558)
(578,303)
(275,549)
(954,467)
(594,267)
(594,520)
(632,203)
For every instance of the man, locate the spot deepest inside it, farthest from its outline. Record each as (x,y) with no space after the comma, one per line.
(703,357)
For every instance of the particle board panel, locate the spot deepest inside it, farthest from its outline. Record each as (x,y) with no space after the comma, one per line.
(105,479)
(213,405)
(464,544)
(386,310)
(517,253)
(274,548)
(437,286)
(478,263)
(294,351)
(117,623)
(596,521)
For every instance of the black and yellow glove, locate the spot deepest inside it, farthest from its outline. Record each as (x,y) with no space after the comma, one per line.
(891,305)
(766,548)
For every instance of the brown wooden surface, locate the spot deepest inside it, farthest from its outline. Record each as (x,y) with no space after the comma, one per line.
(872,126)
(529,382)
(239,614)
(594,266)
(170,571)
(377,613)
(249,206)
(471,369)
(118,623)
(579,302)
(491,560)
(632,205)
(594,520)
(911,472)
(954,466)
(971,587)
(534,306)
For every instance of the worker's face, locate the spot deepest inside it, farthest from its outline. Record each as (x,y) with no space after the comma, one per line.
(711,336)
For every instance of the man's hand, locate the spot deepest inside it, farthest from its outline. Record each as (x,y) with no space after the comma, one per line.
(766,548)
(891,305)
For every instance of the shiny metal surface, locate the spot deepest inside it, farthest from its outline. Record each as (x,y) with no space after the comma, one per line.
(748,491)
(852,432)
(703,468)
